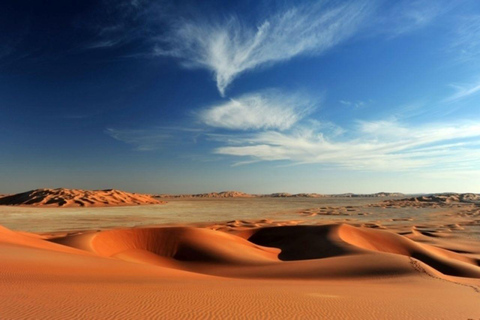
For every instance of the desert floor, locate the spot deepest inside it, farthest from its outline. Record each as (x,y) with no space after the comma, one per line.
(325,258)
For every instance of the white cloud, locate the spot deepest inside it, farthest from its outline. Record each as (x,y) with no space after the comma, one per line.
(463,91)
(381,145)
(232,46)
(403,17)
(142,140)
(466,38)
(154,138)
(356,104)
(269,109)
(118,23)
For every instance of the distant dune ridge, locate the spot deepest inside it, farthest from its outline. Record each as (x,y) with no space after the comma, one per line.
(239,194)
(448,198)
(222,194)
(433,200)
(78,198)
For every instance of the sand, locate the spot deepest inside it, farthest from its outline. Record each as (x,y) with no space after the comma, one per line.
(62,197)
(415,258)
(239,270)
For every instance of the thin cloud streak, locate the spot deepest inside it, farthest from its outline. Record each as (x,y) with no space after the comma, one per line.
(466,38)
(270,109)
(407,16)
(379,145)
(142,140)
(116,24)
(355,104)
(463,91)
(231,47)
(156,138)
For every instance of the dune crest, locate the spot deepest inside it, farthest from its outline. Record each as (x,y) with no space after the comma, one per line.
(240,194)
(311,271)
(434,200)
(61,197)
(222,194)
(279,247)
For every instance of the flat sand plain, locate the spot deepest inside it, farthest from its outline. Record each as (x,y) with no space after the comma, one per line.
(256,258)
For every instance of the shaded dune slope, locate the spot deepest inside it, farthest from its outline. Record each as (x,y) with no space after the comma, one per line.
(188,273)
(287,251)
(78,198)
(183,244)
(447,262)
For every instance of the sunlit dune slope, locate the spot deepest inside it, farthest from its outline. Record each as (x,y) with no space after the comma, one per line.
(284,251)
(78,198)
(280,272)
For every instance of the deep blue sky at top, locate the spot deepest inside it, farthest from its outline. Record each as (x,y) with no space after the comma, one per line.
(261,96)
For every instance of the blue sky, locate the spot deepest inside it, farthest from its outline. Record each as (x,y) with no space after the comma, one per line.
(258,96)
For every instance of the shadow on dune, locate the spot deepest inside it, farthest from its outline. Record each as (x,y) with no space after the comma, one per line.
(182,244)
(276,247)
(303,242)
(445,261)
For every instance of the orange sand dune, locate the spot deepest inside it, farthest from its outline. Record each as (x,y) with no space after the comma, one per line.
(281,272)
(178,243)
(269,248)
(77,198)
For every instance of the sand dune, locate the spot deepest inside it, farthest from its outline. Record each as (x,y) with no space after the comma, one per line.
(240,194)
(178,243)
(445,261)
(222,194)
(435,200)
(187,247)
(78,198)
(256,269)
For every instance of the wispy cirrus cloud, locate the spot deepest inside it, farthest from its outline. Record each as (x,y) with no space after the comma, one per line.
(378,145)
(117,23)
(355,104)
(466,38)
(154,138)
(142,140)
(268,109)
(231,46)
(402,17)
(463,91)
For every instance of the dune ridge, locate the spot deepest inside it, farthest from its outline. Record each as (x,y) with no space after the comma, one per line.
(187,247)
(222,194)
(240,194)
(251,269)
(62,197)
(434,200)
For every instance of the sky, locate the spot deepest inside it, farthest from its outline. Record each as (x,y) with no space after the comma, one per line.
(258,96)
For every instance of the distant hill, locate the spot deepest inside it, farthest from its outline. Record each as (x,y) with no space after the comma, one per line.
(239,194)
(295,195)
(77,198)
(222,194)
(447,198)
(432,200)
(370,195)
